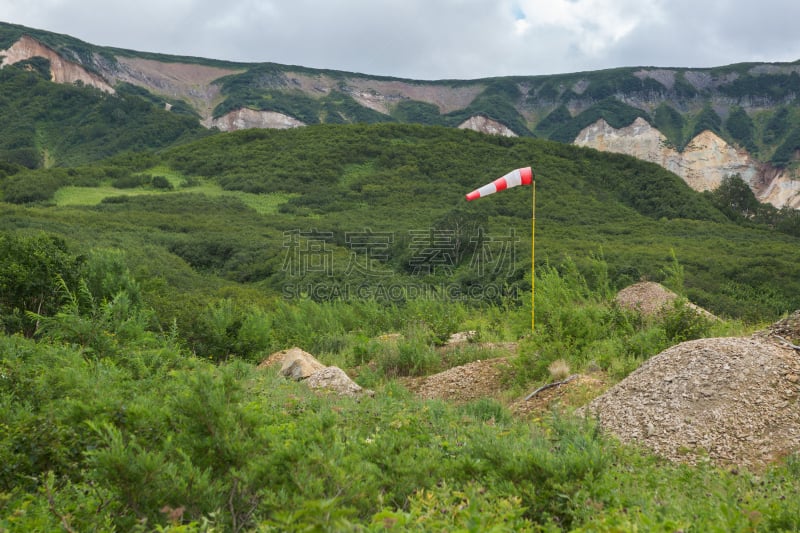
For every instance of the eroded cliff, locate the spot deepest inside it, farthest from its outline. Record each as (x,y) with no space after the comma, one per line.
(705,161)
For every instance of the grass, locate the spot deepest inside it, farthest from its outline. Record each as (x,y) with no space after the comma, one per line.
(86,196)
(263,204)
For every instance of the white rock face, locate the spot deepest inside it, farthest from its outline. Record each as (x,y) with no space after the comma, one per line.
(486,125)
(783,190)
(245,118)
(705,161)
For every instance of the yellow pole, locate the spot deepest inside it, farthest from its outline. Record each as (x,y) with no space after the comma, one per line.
(533,254)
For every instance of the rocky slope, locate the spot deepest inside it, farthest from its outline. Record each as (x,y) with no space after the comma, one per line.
(508,106)
(731,401)
(198,85)
(706,160)
(62,70)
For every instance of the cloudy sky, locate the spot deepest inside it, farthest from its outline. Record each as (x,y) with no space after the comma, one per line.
(434,39)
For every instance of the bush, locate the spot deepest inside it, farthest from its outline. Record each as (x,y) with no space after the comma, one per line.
(683,323)
(161,182)
(411,355)
(30,187)
(130,181)
(33,272)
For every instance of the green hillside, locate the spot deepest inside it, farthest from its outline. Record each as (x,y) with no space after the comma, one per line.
(328,185)
(46,124)
(136,310)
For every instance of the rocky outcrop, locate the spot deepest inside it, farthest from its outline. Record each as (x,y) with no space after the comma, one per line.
(705,161)
(486,125)
(782,191)
(651,299)
(245,118)
(61,70)
(731,401)
(382,95)
(191,82)
(299,365)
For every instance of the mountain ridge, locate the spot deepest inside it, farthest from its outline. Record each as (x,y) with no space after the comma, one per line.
(736,103)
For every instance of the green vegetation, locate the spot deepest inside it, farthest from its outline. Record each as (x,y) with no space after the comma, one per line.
(47,124)
(613,83)
(786,152)
(555,119)
(768,88)
(265,88)
(148,266)
(777,126)
(418,113)
(669,122)
(707,119)
(242,202)
(684,89)
(111,422)
(741,128)
(498,102)
(616,113)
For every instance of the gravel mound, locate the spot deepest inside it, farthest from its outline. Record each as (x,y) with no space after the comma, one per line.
(732,401)
(464,383)
(650,298)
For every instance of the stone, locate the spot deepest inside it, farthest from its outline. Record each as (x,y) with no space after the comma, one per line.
(335,379)
(297,364)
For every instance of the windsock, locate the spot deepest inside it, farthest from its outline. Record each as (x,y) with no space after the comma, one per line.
(520,176)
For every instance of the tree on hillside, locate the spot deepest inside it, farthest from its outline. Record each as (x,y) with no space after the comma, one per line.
(669,122)
(735,198)
(708,119)
(741,128)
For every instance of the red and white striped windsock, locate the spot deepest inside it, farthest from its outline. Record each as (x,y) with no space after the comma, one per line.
(520,176)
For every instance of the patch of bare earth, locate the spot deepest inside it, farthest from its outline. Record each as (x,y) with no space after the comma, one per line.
(382,94)
(571,393)
(61,70)
(186,81)
(464,383)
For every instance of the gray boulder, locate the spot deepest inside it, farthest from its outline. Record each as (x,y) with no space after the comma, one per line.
(334,379)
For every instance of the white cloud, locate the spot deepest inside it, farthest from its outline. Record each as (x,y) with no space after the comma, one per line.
(591,25)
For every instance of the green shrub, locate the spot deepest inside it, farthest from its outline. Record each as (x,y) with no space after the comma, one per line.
(130,181)
(411,355)
(683,323)
(161,182)
(33,270)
